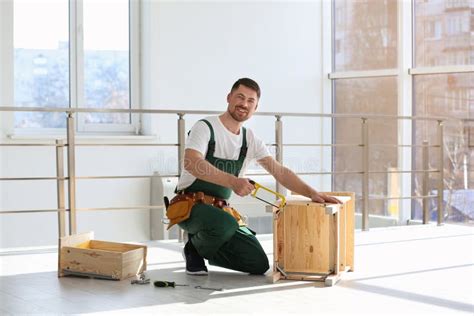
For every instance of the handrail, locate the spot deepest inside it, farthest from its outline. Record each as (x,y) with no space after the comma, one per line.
(201,112)
(70,143)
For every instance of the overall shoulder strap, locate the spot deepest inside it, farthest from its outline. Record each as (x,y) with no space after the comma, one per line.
(212,143)
(243,149)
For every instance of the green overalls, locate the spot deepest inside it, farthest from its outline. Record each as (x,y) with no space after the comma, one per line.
(214,233)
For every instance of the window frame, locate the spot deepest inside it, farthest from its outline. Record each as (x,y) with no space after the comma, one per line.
(76,77)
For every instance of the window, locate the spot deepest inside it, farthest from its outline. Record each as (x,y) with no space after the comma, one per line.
(369,28)
(369,33)
(91,68)
(444,95)
(365,95)
(450,46)
(41,66)
(363,82)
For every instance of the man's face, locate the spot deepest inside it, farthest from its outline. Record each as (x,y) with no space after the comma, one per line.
(242,102)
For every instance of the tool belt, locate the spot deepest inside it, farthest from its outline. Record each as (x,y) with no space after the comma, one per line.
(180,207)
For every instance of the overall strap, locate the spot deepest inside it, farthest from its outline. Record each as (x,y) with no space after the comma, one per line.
(212,143)
(243,149)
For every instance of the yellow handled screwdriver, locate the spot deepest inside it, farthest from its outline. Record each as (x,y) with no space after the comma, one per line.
(167,284)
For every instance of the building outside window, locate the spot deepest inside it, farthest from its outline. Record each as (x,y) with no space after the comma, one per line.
(362,83)
(90,68)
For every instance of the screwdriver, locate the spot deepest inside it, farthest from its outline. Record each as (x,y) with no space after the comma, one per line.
(167,284)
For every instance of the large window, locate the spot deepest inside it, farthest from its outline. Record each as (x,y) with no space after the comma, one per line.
(443,33)
(365,35)
(41,61)
(366,95)
(383,66)
(91,67)
(446,94)
(364,40)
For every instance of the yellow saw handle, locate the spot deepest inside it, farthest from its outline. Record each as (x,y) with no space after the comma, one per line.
(258,186)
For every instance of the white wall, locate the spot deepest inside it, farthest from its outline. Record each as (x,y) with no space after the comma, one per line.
(192,52)
(6,64)
(6,90)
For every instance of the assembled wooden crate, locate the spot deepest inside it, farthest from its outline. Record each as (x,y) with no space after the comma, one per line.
(82,255)
(314,241)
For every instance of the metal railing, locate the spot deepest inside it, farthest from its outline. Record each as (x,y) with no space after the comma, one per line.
(71,144)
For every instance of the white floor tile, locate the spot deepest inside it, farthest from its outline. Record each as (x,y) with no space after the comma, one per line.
(417,270)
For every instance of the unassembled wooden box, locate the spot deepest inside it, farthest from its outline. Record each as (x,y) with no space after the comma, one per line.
(82,255)
(314,241)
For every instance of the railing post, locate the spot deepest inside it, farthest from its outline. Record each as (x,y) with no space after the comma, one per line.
(60,187)
(181,141)
(425,191)
(441,172)
(365,176)
(71,172)
(181,146)
(279,147)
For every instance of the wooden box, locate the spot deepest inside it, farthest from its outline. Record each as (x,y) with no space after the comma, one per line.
(314,241)
(82,255)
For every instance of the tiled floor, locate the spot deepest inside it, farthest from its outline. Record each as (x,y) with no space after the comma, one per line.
(413,270)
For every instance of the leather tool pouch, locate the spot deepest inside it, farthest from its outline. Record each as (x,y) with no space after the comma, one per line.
(179,211)
(235,214)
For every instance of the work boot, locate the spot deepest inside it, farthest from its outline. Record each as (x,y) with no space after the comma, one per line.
(194,262)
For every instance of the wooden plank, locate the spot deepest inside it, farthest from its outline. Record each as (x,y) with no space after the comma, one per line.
(113,246)
(349,201)
(350,228)
(332,279)
(275,243)
(133,262)
(303,277)
(100,262)
(85,245)
(338,242)
(306,244)
(286,230)
(145,262)
(342,237)
(299,199)
(276,276)
(71,241)
(281,240)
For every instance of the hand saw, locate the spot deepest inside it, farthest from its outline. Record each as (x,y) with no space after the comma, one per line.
(259,186)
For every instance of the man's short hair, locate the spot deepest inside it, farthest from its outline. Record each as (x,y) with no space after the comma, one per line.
(249,83)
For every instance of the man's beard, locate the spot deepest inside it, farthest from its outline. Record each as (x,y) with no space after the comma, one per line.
(236,116)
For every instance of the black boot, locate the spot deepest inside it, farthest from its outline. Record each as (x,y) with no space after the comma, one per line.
(194,262)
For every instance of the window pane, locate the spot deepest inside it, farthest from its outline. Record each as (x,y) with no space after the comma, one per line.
(106,59)
(446,95)
(376,96)
(41,63)
(444,32)
(365,35)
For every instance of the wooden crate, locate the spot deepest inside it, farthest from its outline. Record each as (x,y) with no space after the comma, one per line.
(82,255)
(314,241)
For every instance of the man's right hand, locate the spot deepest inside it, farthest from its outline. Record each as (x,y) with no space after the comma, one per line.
(242,186)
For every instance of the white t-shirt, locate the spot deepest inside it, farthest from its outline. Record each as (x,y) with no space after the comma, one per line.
(227,146)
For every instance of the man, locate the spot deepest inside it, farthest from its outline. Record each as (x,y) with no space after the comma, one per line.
(218,150)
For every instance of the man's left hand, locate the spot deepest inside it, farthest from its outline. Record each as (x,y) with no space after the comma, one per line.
(323,198)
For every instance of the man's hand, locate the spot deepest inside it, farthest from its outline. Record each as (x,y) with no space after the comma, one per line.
(323,198)
(242,186)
